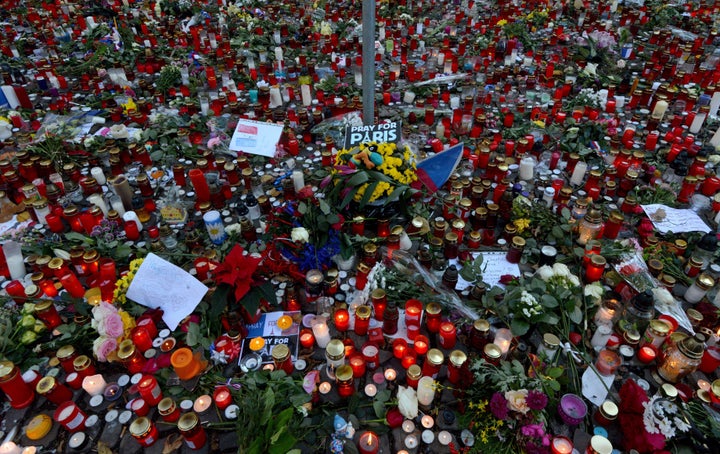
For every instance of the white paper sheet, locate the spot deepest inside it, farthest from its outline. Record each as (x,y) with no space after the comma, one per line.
(160,284)
(667,219)
(595,386)
(256,137)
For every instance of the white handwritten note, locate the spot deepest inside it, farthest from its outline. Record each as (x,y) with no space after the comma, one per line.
(495,266)
(667,219)
(595,386)
(160,284)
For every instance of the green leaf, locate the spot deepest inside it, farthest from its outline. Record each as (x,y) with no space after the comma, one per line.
(75,236)
(383,396)
(379,408)
(302,208)
(576,315)
(549,302)
(555,386)
(348,197)
(193,334)
(519,327)
(357,179)
(251,300)
(554,372)
(324,207)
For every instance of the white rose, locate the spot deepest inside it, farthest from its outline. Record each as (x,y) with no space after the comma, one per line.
(544,272)
(594,290)
(407,402)
(560,269)
(234,229)
(300,234)
(517,400)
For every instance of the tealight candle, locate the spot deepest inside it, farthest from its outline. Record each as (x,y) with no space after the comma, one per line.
(561,445)
(444,438)
(202,404)
(96,401)
(390,375)
(94,384)
(324,387)
(428,436)
(503,338)
(411,441)
(357,363)
(399,346)
(284,322)
(370,390)
(427,421)
(369,443)
(408,426)
(231,412)
(307,340)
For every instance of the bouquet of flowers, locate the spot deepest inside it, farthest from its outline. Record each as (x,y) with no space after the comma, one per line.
(112,325)
(509,415)
(308,232)
(372,172)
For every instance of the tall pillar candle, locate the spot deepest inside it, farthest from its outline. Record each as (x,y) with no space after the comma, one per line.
(697,122)
(121,187)
(578,173)
(14,259)
(305,94)
(98,201)
(298,180)
(715,140)
(714,104)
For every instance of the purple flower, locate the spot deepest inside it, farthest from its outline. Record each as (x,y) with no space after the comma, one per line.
(498,406)
(536,400)
(533,430)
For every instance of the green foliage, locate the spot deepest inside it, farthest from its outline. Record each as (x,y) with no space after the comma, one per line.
(268,419)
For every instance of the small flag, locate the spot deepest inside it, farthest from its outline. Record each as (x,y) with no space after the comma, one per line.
(433,172)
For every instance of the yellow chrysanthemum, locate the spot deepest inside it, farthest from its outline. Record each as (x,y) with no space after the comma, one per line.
(128,321)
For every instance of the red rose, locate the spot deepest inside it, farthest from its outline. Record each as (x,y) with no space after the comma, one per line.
(394,418)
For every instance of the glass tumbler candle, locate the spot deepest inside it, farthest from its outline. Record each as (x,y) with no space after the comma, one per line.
(144,431)
(345,381)
(18,393)
(362,319)
(192,431)
(572,409)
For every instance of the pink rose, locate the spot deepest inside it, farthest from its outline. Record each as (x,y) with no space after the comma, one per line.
(111,326)
(517,400)
(103,346)
(102,310)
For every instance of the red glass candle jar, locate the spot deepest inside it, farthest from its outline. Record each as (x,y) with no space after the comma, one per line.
(345,381)
(342,320)
(433,313)
(595,268)
(168,410)
(55,392)
(409,358)
(413,375)
(141,338)
(222,397)
(413,312)
(70,416)
(144,431)
(613,225)
(307,340)
(191,430)
(457,359)
(17,291)
(399,347)
(448,335)
(421,344)
(361,277)
(371,355)
(48,314)
(357,363)
(71,283)
(379,302)
(433,360)
(140,407)
(362,319)
(282,358)
(606,413)
(84,367)
(66,355)
(149,390)
(131,357)
(12,384)
(73,380)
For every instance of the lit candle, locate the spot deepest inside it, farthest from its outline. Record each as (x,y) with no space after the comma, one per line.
(307,340)
(369,443)
(342,320)
(222,397)
(390,375)
(411,441)
(646,354)
(257,343)
(421,344)
(448,335)
(202,404)
(426,391)
(408,426)
(94,384)
(357,363)
(284,322)
(324,387)
(370,390)
(399,346)
(427,421)
(321,332)
(703,385)
(413,312)
(561,445)
(503,338)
